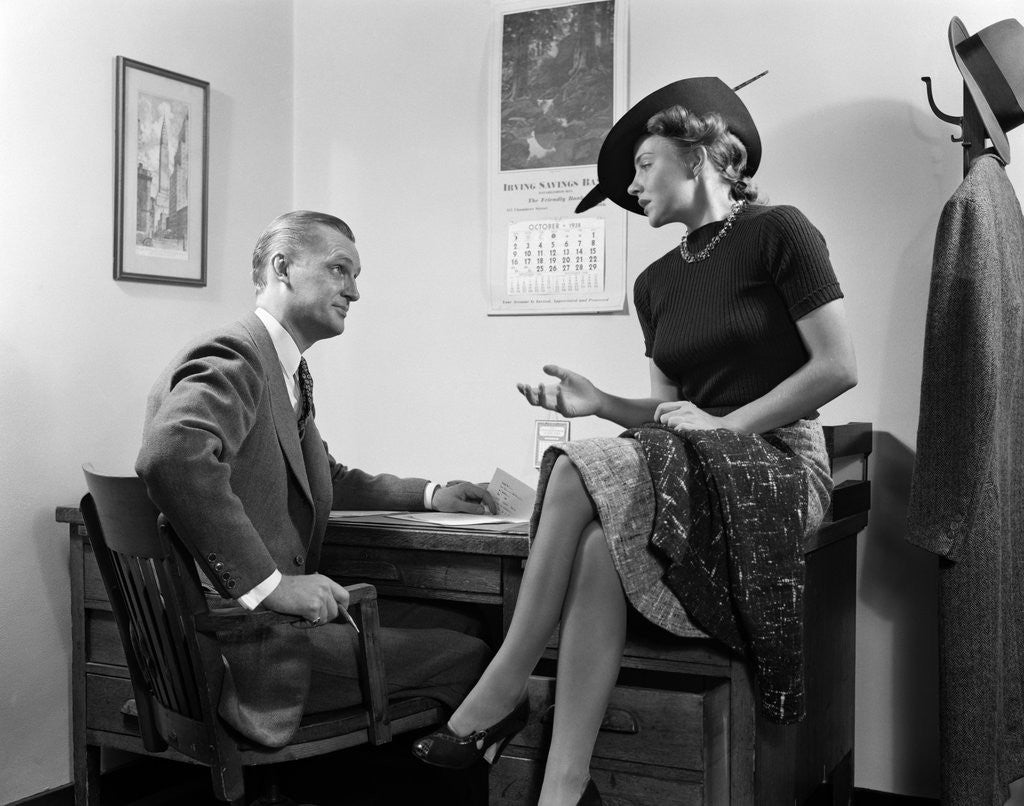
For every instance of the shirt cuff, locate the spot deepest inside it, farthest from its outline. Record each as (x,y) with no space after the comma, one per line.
(428,495)
(251,600)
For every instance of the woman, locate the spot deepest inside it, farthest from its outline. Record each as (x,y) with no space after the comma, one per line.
(745,331)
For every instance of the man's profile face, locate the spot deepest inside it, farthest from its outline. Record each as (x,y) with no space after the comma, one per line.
(323,284)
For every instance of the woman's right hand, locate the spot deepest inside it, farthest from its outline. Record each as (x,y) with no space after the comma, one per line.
(572,396)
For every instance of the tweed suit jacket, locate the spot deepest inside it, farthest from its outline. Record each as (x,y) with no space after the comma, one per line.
(967,494)
(222,458)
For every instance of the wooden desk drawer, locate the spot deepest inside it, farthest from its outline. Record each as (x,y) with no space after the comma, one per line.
(92,582)
(102,640)
(516,780)
(423,570)
(104,698)
(685,730)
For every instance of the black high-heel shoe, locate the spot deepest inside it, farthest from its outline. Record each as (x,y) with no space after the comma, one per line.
(442,748)
(590,796)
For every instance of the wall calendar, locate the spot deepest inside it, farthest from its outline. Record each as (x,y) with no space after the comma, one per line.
(557,86)
(555,256)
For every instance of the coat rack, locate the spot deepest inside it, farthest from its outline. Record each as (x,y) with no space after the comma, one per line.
(972,130)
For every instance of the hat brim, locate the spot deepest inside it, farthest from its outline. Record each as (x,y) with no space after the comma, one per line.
(701,95)
(957,34)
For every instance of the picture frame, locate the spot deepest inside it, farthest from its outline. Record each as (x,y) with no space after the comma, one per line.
(161,168)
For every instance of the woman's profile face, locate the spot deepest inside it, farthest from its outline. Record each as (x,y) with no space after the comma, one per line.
(662,183)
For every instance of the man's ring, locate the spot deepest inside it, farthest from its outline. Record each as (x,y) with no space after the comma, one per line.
(316,620)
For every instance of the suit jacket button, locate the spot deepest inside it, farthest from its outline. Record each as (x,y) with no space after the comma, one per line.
(299,559)
(231,584)
(211,557)
(226,576)
(218,566)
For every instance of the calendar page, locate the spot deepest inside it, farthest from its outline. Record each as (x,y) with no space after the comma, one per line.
(556,256)
(547,120)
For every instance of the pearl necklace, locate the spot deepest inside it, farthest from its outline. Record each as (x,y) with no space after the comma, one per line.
(684,250)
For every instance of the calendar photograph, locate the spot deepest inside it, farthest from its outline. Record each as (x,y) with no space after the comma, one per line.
(558,79)
(556,84)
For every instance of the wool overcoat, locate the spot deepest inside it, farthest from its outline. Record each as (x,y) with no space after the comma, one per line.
(967,495)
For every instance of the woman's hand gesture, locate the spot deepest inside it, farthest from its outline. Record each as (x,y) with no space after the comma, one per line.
(681,415)
(572,396)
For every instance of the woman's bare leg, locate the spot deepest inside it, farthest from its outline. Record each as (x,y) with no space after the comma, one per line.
(567,511)
(589,656)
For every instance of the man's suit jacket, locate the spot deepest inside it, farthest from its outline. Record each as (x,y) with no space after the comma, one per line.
(222,459)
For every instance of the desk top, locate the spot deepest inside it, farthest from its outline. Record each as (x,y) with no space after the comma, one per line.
(500,539)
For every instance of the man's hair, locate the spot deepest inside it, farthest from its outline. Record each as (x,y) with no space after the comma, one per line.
(288,234)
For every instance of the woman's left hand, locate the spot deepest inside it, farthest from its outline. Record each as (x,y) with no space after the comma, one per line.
(682,415)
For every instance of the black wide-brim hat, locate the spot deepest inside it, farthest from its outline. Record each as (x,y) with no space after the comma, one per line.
(700,95)
(992,64)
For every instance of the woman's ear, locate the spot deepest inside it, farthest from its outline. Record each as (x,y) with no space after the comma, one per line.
(698,161)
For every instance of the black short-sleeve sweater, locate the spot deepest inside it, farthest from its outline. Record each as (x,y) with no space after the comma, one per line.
(724,328)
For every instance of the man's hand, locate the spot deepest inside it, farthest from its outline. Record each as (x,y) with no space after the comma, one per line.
(314,597)
(462,496)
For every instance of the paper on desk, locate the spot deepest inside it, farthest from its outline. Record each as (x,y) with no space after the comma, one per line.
(450,518)
(351,514)
(513,498)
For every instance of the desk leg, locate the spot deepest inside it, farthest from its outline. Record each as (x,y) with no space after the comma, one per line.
(511,579)
(87,775)
(85,757)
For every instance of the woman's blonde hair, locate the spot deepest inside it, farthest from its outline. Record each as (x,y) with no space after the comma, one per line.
(688,129)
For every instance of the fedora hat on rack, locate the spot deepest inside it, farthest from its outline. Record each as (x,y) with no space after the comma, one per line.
(992,64)
(700,95)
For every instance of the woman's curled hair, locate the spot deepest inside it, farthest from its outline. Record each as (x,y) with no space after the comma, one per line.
(688,129)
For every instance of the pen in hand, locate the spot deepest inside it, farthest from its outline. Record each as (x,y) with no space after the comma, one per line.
(349,618)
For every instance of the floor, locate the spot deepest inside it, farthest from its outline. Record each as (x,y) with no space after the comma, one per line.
(382,776)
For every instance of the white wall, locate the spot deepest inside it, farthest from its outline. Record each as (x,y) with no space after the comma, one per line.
(388,129)
(80,350)
(390,107)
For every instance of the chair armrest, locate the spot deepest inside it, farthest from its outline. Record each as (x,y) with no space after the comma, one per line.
(363,608)
(241,621)
(361,591)
(235,620)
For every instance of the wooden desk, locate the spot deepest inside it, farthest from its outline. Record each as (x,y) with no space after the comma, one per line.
(682,726)
(483,567)
(403,558)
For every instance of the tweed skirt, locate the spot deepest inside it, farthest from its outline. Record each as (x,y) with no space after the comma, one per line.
(615,475)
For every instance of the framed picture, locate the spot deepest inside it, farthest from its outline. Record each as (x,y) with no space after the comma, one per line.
(160,175)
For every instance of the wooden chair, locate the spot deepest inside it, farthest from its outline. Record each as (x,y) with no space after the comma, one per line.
(174,660)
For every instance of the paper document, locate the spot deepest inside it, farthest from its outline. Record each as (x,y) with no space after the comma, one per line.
(450,518)
(351,514)
(513,498)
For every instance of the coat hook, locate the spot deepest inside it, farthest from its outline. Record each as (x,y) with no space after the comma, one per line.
(956,121)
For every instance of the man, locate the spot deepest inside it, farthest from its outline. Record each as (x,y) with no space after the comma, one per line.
(231,454)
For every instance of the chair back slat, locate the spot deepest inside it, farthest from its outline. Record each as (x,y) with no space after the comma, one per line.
(167,660)
(146,576)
